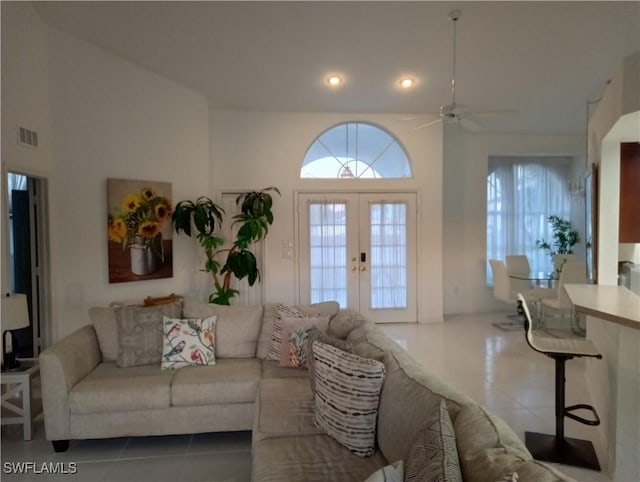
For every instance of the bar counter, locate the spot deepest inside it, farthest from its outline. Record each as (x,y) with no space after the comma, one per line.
(613,324)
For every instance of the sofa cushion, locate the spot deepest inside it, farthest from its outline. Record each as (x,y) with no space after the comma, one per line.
(487,446)
(109,388)
(433,456)
(310,458)
(140,333)
(237,327)
(188,342)
(105,323)
(272,369)
(347,396)
(344,323)
(269,318)
(284,407)
(228,381)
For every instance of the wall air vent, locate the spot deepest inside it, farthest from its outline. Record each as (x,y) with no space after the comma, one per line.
(27,137)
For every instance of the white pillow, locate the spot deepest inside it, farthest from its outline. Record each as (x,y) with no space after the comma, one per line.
(188,342)
(389,473)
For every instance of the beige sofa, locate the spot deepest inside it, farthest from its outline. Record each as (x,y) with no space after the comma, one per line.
(86,397)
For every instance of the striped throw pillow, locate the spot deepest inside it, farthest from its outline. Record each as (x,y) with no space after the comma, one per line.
(347,397)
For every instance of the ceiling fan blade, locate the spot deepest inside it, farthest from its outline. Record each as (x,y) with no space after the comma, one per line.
(417,128)
(495,113)
(470,124)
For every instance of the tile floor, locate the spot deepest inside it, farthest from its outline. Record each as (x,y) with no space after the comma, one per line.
(495,367)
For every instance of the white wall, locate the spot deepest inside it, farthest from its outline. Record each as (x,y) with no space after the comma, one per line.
(25,102)
(252,150)
(465,201)
(112,118)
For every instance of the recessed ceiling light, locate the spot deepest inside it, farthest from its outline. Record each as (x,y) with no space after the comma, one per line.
(334,80)
(406,83)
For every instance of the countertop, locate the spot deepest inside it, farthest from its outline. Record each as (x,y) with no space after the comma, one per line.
(612,303)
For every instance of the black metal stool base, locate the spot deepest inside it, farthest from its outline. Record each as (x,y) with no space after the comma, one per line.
(568,451)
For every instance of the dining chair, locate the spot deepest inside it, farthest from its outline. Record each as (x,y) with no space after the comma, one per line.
(504,291)
(573,272)
(558,448)
(518,264)
(559,260)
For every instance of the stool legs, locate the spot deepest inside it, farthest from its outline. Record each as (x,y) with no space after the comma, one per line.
(558,448)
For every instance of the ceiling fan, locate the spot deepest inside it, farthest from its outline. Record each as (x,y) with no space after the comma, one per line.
(455,113)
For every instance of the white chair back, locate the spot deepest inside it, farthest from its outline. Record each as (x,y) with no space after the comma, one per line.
(528,324)
(559,260)
(501,282)
(518,265)
(573,272)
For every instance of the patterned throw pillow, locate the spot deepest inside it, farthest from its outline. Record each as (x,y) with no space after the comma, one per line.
(315,334)
(433,456)
(188,342)
(282,311)
(389,473)
(295,331)
(347,397)
(140,332)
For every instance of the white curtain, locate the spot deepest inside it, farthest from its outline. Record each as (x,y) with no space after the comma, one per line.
(388,255)
(328,252)
(521,193)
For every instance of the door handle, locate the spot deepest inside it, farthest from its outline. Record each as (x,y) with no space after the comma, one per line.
(363,268)
(354,269)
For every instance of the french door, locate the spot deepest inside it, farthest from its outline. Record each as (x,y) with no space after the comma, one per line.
(360,250)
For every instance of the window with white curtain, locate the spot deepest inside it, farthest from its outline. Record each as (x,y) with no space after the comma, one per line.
(522,192)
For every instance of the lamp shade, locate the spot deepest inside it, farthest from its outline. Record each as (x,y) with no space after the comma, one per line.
(15,312)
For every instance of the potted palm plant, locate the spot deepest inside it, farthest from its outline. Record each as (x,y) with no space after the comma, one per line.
(238,260)
(564,237)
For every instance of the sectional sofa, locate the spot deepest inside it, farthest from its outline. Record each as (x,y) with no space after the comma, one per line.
(87,395)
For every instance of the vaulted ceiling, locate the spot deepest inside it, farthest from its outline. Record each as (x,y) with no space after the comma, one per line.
(544,59)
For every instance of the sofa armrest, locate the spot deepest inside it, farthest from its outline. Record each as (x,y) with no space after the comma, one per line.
(62,366)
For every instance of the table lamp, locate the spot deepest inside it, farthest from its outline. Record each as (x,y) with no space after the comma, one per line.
(15,315)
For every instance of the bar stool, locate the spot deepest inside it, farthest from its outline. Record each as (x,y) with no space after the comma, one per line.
(558,448)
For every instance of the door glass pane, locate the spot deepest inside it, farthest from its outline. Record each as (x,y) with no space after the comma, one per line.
(328,252)
(388,264)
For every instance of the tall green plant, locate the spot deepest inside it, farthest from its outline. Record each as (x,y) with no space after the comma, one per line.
(564,237)
(254,219)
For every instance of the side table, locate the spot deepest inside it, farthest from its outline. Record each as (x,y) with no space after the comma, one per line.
(17,397)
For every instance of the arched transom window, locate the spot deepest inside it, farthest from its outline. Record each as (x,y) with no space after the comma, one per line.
(355,150)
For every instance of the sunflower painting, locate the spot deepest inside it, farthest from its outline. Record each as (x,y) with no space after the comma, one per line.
(139,230)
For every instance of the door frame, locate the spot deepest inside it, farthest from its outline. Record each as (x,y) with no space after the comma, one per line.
(337,192)
(40,315)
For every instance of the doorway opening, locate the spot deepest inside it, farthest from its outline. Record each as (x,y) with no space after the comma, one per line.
(28,259)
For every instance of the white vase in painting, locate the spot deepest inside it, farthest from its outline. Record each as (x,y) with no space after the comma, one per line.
(143,261)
